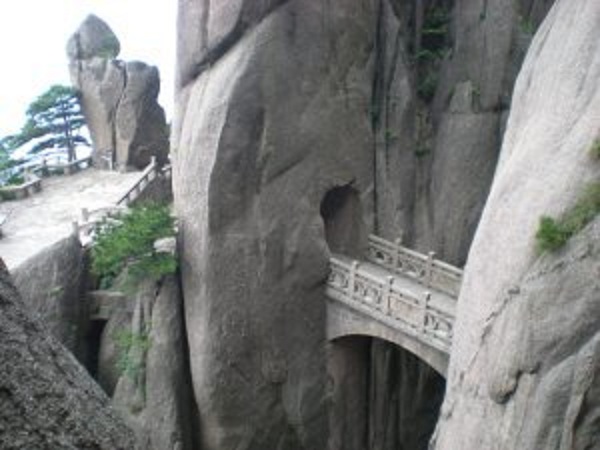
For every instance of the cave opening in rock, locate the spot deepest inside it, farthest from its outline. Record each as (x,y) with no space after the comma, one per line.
(342,217)
(382,396)
(93,340)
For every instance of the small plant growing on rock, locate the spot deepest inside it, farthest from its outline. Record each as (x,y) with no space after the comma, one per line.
(554,233)
(132,349)
(595,150)
(527,26)
(128,243)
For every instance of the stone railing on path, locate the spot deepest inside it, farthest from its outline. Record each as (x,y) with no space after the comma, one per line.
(424,269)
(33,176)
(30,187)
(422,314)
(149,174)
(44,169)
(92,218)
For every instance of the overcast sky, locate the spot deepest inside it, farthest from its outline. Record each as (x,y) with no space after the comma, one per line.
(34,33)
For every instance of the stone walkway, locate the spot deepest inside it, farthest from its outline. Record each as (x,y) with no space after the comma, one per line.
(43,219)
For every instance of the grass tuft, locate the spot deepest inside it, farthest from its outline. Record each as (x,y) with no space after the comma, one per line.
(553,233)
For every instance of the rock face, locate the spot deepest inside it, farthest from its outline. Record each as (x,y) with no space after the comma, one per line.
(394,108)
(443,76)
(119,99)
(47,400)
(51,285)
(526,355)
(254,261)
(153,391)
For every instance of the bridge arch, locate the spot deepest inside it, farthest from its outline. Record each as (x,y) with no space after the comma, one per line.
(346,322)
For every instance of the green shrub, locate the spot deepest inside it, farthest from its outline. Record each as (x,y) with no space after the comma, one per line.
(527,26)
(15,180)
(554,233)
(132,348)
(595,150)
(550,235)
(422,151)
(128,243)
(427,86)
(6,194)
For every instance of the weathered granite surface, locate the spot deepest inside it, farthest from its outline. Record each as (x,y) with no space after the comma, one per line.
(525,361)
(47,400)
(52,284)
(251,171)
(153,391)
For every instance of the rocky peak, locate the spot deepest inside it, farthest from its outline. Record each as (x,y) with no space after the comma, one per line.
(119,99)
(93,38)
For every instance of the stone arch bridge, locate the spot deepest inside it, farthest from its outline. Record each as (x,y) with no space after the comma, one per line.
(396,294)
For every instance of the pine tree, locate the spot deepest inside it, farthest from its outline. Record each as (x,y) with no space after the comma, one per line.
(53,121)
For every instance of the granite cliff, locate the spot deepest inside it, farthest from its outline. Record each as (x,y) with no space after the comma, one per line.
(119,99)
(395,110)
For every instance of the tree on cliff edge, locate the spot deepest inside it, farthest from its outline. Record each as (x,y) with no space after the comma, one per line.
(54,120)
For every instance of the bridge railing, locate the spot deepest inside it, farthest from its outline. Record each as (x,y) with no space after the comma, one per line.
(425,269)
(413,314)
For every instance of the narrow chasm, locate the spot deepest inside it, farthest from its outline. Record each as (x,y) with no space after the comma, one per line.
(383,397)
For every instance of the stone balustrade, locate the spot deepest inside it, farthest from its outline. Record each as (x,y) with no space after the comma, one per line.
(31,186)
(149,174)
(91,219)
(86,227)
(424,269)
(417,314)
(45,169)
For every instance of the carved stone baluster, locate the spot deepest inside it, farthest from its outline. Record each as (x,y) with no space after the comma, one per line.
(352,279)
(397,251)
(426,299)
(429,269)
(386,297)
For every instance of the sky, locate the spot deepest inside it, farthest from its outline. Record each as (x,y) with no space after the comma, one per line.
(34,34)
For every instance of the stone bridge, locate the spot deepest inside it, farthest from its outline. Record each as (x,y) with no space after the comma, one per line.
(398,295)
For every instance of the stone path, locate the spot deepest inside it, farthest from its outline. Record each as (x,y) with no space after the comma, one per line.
(45,218)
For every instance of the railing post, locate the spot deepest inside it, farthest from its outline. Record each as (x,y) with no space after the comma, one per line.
(426,299)
(397,246)
(387,289)
(352,279)
(75,225)
(85,215)
(429,268)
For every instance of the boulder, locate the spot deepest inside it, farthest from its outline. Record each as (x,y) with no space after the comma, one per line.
(119,100)
(93,38)
(52,284)
(525,359)
(47,400)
